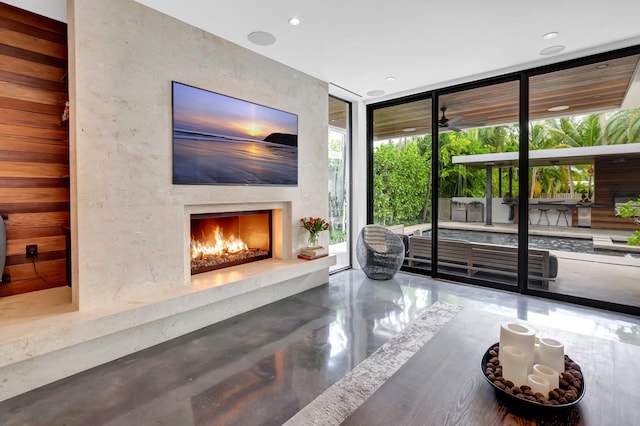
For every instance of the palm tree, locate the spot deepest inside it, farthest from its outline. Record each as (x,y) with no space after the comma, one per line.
(623,127)
(537,140)
(500,138)
(576,132)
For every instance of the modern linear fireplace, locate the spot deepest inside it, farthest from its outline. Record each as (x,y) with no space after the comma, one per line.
(220,240)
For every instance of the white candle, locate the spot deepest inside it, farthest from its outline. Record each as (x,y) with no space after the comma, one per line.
(548,373)
(552,354)
(514,364)
(538,384)
(536,351)
(520,335)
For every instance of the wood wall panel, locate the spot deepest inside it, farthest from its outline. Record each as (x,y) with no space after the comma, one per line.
(27,68)
(17,247)
(36,220)
(32,182)
(614,178)
(33,43)
(35,195)
(32,284)
(32,131)
(33,157)
(25,271)
(28,106)
(606,219)
(34,149)
(27,93)
(19,169)
(30,144)
(33,207)
(29,119)
(34,21)
(33,233)
(29,55)
(20,259)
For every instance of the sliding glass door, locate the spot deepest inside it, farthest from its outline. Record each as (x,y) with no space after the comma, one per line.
(402,181)
(477,183)
(584,162)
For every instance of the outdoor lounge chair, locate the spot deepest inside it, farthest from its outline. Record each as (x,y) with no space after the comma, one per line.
(380,252)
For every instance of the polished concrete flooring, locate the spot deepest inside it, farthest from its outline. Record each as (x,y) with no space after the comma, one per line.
(261,367)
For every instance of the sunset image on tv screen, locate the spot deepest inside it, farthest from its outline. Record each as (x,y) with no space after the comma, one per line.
(218,139)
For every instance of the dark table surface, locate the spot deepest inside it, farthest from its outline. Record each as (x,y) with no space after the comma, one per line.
(443,383)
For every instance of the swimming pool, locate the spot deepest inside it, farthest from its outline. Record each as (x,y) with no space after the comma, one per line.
(574,245)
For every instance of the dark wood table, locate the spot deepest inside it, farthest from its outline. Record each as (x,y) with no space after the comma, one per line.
(442,384)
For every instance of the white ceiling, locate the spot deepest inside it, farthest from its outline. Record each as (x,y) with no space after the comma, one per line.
(424,44)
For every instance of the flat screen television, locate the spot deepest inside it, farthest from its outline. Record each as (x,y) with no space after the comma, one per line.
(220,140)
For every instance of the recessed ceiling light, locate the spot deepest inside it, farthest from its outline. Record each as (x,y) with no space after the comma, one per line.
(552,50)
(559,108)
(549,36)
(602,66)
(409,129)
(390,78)
(376,92)
(261,38)
(294,21)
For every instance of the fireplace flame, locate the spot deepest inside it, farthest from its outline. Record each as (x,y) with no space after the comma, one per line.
(218,245)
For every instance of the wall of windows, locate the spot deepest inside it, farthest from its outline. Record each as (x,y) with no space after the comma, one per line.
(512,165)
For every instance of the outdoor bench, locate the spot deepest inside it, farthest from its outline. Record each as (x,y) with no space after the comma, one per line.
(490,259)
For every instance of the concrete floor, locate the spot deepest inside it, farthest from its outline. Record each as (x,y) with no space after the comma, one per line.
(598,277)
(261,367)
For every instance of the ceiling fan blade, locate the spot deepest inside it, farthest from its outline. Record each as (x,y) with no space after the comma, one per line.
(455,119)
(475,120)
(462,125)
(470,123)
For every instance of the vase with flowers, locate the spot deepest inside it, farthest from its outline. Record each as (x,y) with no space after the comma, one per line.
(314,225)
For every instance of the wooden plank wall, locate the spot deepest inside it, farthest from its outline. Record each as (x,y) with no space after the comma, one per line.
(34,148)
(614,179)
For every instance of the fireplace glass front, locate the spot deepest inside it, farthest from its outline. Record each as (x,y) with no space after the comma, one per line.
(220,240)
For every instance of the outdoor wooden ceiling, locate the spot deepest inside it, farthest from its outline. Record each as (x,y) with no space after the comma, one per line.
(337,113)
(584,89)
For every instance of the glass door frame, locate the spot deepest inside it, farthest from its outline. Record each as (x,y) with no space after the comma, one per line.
(349,181)
(437,94)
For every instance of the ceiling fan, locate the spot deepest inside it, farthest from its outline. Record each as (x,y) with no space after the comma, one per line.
(455,124)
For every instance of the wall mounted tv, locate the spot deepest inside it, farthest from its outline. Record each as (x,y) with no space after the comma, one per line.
(220,140)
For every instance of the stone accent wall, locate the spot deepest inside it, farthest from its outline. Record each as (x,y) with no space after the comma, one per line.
(126,216)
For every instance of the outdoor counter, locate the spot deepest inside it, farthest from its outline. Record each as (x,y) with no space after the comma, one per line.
(557,213)
(552,213)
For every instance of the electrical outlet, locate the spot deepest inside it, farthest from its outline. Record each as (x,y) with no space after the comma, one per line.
(32,251)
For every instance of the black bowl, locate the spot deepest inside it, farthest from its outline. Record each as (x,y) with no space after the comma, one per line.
(525,404)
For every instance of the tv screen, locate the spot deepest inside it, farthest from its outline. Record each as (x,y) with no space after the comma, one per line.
(222,140)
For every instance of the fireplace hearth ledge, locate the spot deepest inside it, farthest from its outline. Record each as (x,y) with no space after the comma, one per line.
(38,350)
